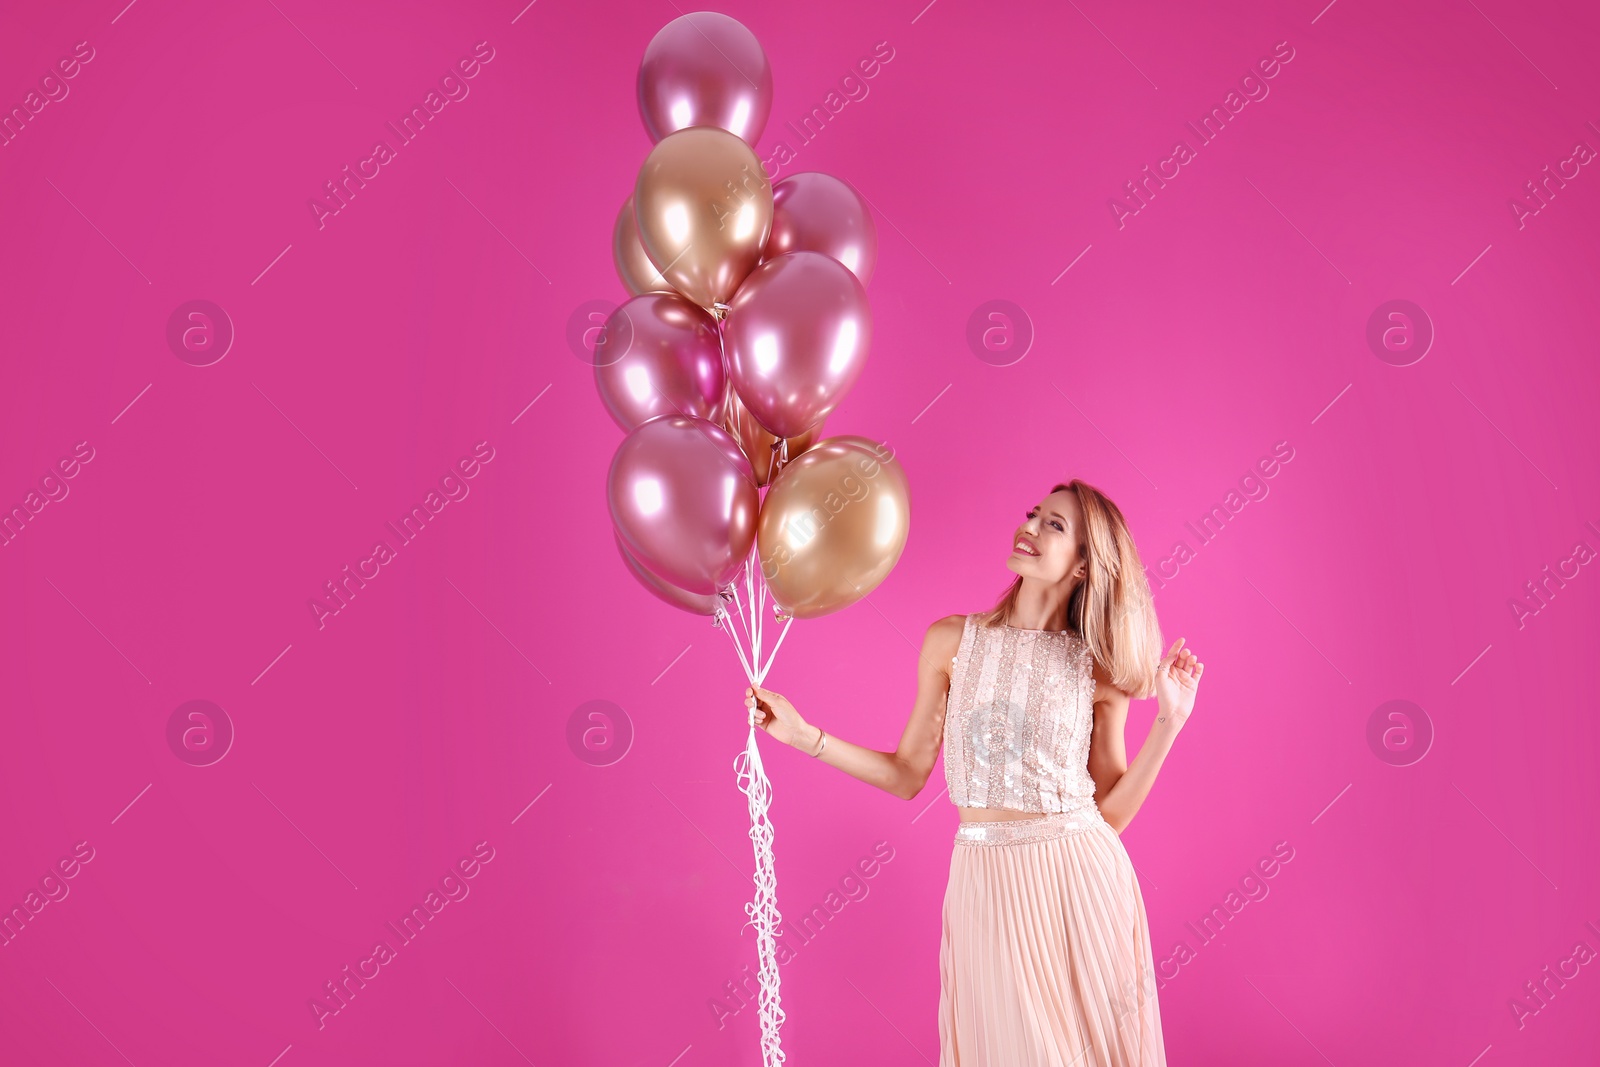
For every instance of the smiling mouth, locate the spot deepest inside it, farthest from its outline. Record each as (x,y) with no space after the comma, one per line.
(1023,548)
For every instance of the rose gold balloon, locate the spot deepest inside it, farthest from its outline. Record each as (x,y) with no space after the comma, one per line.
(684,500)
(660,355)
(638,274)
(833,525)
(703,205)
(796,337)
(758,444)
(698,603)
(816,212)
(705,69)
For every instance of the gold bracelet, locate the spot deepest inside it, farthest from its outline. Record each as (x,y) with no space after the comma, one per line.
(822,744)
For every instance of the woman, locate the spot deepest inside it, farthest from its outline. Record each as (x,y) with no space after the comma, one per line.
(1044,953)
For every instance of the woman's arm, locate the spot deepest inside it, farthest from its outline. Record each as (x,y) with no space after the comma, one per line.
(1120,788)
(902,772)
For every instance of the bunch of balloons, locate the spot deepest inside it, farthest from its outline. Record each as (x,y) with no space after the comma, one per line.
(747,326)
(748,323)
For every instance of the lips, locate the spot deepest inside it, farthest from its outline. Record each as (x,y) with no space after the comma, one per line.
(1025,547)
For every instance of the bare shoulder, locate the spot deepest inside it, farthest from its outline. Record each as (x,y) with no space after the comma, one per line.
(942,641)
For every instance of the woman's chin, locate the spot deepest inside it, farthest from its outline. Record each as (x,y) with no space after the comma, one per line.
(1027,566)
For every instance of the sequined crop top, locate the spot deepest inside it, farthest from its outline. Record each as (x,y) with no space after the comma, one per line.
(1018,720)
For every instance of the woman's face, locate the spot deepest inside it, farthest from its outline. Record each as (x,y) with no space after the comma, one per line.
(1046,545)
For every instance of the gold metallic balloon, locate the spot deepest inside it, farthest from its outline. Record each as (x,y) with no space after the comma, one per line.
(638,274)
(703,206)
(833,525)
(757,442)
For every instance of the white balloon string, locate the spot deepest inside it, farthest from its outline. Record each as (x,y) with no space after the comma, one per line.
(761,677)
(762,910)
(755,614)
(736,647)
(737,603)
(761,609)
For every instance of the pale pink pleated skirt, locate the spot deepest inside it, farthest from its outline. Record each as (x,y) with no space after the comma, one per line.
(1045,957)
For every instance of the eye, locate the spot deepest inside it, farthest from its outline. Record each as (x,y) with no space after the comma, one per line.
(1057,525)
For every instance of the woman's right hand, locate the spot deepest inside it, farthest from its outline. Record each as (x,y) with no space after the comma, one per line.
(774,714)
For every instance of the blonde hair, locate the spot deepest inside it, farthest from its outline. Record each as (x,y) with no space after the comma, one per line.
(1111,609)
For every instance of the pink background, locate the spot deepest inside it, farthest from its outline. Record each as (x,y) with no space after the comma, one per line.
(373,753)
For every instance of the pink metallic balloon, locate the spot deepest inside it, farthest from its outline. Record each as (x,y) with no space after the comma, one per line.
(705,69)
(697,603)
(796,337)
(815,212)
(659,355)
(684,500)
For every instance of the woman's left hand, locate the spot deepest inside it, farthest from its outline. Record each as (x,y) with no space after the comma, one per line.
(1177,681)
